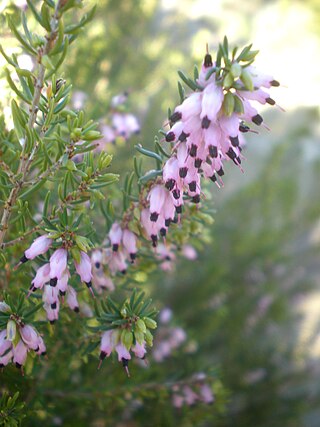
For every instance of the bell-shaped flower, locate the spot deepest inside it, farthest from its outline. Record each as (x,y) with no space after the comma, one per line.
(84,268)
(139,350)
(115,236)
(30,337)
(6,358)
(108,342)
(72,300)
(157,198)
(211,101)
(206,394)
(42,277)
(39,247)
(191,106)
(129,241)
(4,343)
(20,352)
(58,264)
(123,352)
(62,283)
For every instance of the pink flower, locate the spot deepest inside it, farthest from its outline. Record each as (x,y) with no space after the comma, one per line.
(84,268)
(191,106)
(52,313)
(261,79)
(115,235)
(149,226)
(51,296)
(39,246)
(123,353)
(189,252)
(129,241)
(190,396)
(42,348)
(20,352)
(157,197)
(139,350)
(108,342)
(62,283)
(30,337)
(42,277)
(206,394)
(72,299)
(211,102)
(4,343)
(58,264)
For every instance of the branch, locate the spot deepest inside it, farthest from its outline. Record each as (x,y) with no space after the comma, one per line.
(25,159)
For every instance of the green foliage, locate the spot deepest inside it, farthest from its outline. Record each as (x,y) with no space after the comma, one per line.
(12,412)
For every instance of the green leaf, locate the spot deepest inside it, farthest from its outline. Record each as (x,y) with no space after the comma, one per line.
(20,38)
(148,153)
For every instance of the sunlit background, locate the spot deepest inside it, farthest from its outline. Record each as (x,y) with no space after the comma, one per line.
(250,303)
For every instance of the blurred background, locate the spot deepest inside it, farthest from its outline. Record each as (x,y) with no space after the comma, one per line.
(249,305)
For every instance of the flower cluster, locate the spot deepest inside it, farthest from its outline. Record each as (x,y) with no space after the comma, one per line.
(189,395)
(17,339)
(53,277)
(129,329)
(205,130)
(168,338)
(121,124)
(123,341)
(100,280)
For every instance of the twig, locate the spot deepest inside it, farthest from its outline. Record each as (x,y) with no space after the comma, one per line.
(8,171)
(26,159)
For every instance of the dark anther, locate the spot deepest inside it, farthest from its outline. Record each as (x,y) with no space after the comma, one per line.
(213,178)
(205,122)
(170,183)
(167,222)
(257,119)
(115,247)
(243,127)
(183,172)
(193,150)
(175,117)
(102,355)
(89,284)
(208,60)
(193,186)
(234,141)
(179,209)
(183,136)
(133,257)
(154,216)
(231,154)
(196,199)
(163,231)
(54,306)
(197,163)
(23,259)
(76,309)
(220,172)
(270,101)
(170,136)
(52,322)
(125,362)
(154,239)
(176,193)
(274,83)
(62,293)
(53,282)
(213,151)
(97,264)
